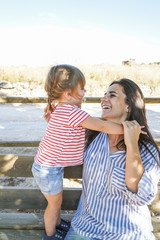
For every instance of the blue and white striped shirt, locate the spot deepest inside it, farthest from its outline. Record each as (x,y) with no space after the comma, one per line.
(107,207)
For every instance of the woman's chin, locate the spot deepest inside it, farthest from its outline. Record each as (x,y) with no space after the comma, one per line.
(104,116)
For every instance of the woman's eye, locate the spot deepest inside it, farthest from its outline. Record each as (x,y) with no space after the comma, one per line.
(112,95)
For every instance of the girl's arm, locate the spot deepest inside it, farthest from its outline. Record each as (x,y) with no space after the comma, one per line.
(134,166)
(102,126)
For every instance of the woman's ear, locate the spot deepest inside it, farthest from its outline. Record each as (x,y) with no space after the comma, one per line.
(127,109)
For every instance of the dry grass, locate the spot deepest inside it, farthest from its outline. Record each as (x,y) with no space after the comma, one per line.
(98,77)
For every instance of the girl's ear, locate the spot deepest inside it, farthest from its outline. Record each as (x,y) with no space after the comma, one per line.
(67,93)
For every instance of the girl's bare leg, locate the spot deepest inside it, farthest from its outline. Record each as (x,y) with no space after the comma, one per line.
(52,213)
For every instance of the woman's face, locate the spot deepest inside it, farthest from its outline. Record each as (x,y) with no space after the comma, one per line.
(113,104)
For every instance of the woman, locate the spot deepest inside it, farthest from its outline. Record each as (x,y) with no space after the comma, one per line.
(120,172)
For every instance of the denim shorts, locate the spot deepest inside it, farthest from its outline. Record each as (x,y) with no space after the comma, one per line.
(48,179)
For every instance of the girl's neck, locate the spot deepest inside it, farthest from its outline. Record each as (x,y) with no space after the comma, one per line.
(63,103)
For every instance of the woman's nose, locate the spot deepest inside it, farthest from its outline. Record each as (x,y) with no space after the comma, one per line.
(105,97)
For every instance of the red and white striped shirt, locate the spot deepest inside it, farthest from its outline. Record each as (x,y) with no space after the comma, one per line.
(63,144)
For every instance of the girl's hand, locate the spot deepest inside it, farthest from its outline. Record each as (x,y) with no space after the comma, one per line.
(132,130)
(47,113)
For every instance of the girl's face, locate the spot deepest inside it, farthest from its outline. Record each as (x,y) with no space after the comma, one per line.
(78,94)
(114,107)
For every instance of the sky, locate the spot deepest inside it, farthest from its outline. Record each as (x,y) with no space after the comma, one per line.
(48,32)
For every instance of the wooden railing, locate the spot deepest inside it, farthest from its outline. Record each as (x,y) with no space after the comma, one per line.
(44,100)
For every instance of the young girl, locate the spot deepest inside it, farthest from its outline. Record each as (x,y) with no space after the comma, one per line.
(63,144)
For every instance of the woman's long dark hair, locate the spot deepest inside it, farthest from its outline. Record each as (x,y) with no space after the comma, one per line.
(135,101)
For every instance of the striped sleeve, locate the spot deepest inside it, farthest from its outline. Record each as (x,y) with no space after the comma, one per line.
(148,185)
(77,116)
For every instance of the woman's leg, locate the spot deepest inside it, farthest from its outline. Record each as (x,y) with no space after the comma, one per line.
(52,213)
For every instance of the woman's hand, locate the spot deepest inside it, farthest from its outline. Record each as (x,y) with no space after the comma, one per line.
(132,130)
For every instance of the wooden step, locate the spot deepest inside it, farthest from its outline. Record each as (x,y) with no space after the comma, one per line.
(31,234)
(11,234)
(26,221)
(32,198)
(18,226)
(12,165)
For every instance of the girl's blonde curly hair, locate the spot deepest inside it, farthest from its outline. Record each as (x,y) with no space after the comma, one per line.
(60,78)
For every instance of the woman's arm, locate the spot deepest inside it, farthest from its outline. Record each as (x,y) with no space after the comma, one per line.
(102,125)
(134,166)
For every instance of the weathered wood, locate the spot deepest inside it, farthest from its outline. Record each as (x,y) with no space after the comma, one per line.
(26,221)
(14,197)
(16,166)
(31,234)
(8,234)
(152,100)
(73,172)
(34,221)
(155,206)
(44,100)
(156,223)
(23,100)
(34,143)
(32,224)
(20,144)
(20,166)
(32,198)
(157,235)
(21,221)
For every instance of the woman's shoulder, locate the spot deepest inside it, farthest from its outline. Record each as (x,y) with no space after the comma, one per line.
(94,138)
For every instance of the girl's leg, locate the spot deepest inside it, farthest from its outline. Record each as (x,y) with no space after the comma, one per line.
(52,213)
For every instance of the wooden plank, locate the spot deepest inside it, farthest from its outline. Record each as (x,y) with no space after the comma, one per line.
(155,206)
(32,198)
(16,166)
(21,221)
(73,172)
(20,166)
(23,100)
(31,235)
(34,221)
(8,234)
(152,100)
(26,221)
(156,223)
(34,143)
(44,100)
(20,144)
(157,235)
